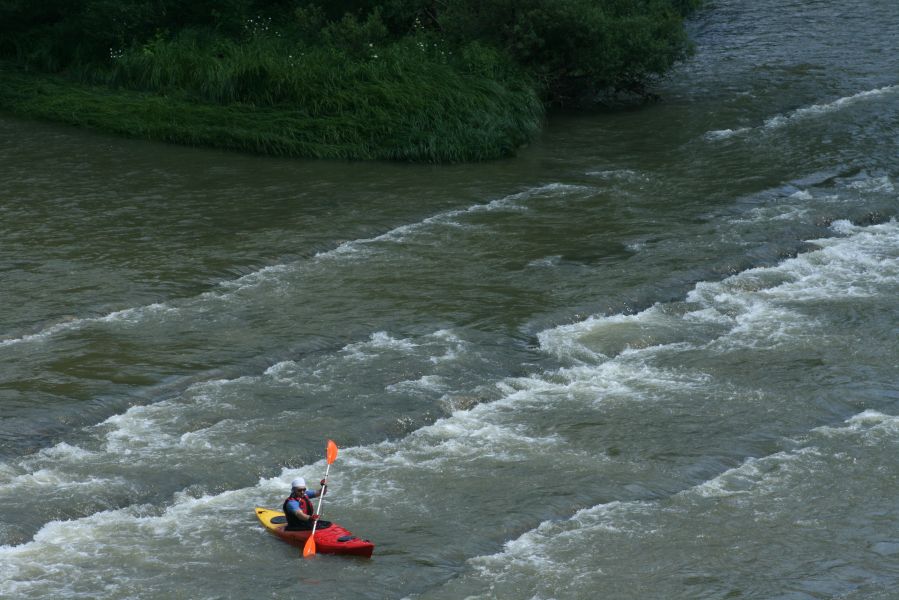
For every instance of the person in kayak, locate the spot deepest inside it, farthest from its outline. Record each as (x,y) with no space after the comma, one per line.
(298,507)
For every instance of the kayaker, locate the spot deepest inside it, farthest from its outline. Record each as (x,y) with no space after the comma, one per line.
(298,507)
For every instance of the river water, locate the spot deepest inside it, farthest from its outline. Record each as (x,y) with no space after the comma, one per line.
(655,356)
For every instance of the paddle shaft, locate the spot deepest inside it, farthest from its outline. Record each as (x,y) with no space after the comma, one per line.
(320,498)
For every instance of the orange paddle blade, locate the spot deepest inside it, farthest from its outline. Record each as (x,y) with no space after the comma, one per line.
(309,548)
(332,452)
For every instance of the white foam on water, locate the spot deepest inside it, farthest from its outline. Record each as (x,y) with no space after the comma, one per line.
(620,174)
(801,195)
(843,226)
(379,346)
(148,433)
(456,347)
(47,468)
(44,333)
(209,439)
(294,375)
(450,355)
(793,214)
(446,335)
(63,553)
(48,561)
(755,475)
(431,383)
(7,472)
(445,449)
(868,418)
(547,261)
(794,205)
(448,443)
(756,321)
(763,305)
(630,377)
(487,431)
(137,431)
(491,432)
(563,341)
(873,184)
(126,316)
(448,446)
(636,246)
(273,273)
(723,134)
(140,313)
(547,554)
(634,369)
(285,366)
(62,558)
(376,345)
(757,482)
(446,345)
(872,425)
(748,305)
(599,338)
(552,549)
(167,430)
(62,452)
(56,479)
(815,110)
(401,233)
(252,279)
(62,550)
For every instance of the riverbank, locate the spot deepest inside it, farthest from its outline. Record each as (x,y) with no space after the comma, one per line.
(467,82)
(468,121)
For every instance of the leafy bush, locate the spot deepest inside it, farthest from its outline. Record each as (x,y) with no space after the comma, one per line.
(409,79)
(573,47)
(408,100)
(576,47)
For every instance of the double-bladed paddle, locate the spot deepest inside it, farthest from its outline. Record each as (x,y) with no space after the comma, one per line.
(331,455)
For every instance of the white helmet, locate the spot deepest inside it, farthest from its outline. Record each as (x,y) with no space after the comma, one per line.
(299,482)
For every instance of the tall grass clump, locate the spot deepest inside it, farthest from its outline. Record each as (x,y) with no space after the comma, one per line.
(411,80)
(409,99)
(405,100)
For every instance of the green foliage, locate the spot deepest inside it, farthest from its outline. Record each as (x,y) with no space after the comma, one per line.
(402,103)
(51,35)
(410,79)
(356,36)
(576,47)
(686,7)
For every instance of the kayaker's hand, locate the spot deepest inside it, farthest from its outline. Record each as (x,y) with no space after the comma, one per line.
(313,518)
(323,482)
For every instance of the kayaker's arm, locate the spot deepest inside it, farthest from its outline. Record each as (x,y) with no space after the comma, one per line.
(294,507)
(321,492)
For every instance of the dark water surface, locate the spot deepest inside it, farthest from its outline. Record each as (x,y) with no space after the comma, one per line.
(655,356)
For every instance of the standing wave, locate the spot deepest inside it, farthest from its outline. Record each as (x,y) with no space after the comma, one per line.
(352,249)
(787,514)
(616,359)
(814,110)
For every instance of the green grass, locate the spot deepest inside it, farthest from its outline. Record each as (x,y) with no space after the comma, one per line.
(396,103)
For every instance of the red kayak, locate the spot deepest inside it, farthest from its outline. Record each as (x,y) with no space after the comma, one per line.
(332,539)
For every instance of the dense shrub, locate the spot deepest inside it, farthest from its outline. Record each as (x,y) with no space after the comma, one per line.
(405,101)
(576,47)
(412,79)
(573,47)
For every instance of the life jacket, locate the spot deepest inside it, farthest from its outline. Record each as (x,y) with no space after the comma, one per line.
(293,521)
